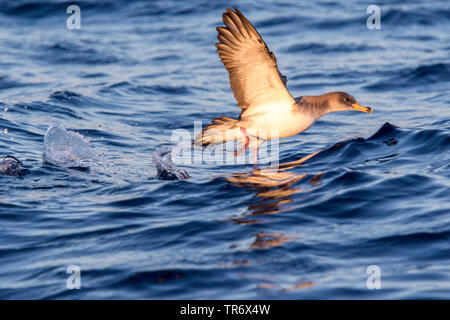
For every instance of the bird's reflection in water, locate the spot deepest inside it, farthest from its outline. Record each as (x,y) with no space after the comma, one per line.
(269,240)
(273,188)
(273,191)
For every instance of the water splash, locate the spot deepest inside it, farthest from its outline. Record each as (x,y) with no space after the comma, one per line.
(11,166)
(166,169)
(67,149)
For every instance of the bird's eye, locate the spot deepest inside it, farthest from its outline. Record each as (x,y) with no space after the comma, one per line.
(346,99)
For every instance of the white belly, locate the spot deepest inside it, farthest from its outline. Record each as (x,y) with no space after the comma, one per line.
(273,121)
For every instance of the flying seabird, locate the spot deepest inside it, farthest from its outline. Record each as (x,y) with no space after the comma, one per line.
(268,110)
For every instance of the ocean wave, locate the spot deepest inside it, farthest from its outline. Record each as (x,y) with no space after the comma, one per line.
(413,77)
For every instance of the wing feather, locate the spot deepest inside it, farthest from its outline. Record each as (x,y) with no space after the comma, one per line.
(253,71)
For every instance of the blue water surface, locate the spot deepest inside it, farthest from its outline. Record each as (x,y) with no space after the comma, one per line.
(137,71)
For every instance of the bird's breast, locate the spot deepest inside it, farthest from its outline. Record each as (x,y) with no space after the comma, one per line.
(268,122)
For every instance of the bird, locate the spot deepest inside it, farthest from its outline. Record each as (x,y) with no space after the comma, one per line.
(268,110)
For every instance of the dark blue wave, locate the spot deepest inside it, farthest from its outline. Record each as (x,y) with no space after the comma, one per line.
(136,77)
(424,75)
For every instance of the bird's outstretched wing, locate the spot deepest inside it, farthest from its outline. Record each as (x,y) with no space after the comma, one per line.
(254,76)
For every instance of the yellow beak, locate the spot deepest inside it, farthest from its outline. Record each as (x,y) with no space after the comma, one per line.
(356,106)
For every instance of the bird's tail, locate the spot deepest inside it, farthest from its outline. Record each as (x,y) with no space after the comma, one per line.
(221,130)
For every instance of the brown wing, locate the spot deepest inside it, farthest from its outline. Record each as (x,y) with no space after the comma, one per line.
(254,76)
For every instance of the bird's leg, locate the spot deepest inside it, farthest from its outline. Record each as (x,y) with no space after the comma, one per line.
(255,158)
(247,142)
(245,147)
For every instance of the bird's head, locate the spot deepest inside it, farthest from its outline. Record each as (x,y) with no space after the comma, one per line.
(341,101)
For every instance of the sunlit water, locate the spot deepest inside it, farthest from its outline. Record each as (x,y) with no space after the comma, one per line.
(136,71)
